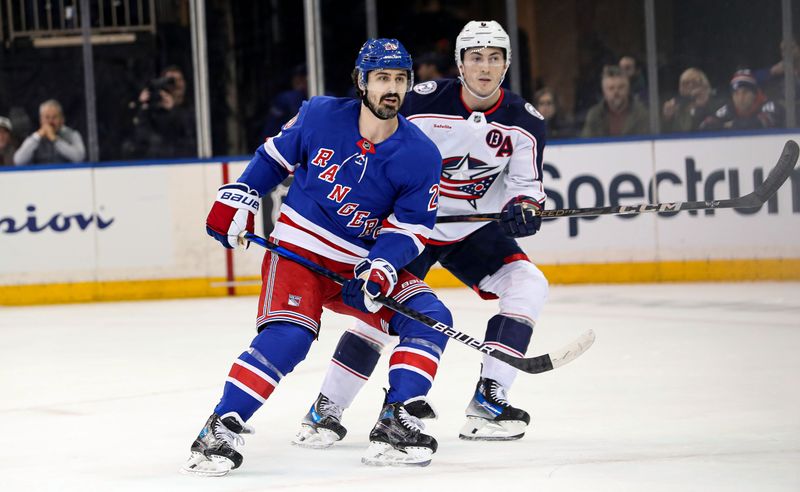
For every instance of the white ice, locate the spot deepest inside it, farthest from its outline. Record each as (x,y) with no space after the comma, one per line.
(689,387)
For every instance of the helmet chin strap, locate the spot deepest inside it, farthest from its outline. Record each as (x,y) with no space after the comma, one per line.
(466,86)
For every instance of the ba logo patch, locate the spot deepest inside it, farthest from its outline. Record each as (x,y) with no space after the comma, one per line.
(425,87)
(532,110)
(294,300)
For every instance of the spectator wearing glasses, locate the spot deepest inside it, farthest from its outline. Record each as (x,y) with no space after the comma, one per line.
(695,102)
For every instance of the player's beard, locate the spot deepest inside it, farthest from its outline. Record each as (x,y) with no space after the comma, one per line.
(381,111)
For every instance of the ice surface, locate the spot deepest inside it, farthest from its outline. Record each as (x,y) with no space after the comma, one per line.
(689,387)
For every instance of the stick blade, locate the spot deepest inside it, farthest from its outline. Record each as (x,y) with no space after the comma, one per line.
(548,362)
(573,350)
(780,173)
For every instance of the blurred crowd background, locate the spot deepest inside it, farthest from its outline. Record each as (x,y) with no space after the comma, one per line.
(720,65)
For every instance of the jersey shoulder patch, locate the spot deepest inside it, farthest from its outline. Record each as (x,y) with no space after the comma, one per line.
(529,108)
(425,87)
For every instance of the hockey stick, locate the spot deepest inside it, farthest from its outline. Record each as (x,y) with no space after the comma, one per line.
(779,174)
(532,365)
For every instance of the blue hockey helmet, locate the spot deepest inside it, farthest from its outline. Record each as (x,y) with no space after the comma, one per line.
(383,53)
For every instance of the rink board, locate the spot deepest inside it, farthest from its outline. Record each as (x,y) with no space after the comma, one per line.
(133,231)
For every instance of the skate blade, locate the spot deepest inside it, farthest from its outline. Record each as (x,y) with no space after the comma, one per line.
(200,465)
(480,429)
(308,437)
(383,454)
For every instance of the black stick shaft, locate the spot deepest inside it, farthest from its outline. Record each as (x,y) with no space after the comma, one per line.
(777,176)
(531,365)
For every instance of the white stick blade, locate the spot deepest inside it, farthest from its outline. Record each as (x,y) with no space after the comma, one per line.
(573,350)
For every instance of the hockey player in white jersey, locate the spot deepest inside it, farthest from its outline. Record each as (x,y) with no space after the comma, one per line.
(491,142)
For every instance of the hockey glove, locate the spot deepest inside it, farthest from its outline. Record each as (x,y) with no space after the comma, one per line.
(519,218)
(372,279)
(233,212)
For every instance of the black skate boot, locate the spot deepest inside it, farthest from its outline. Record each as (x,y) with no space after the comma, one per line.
(213,452)
(490,417)
(321,427)
(397,439)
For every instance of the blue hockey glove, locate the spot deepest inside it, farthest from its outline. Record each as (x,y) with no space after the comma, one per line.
(519,218)
(233,212)
(374,278)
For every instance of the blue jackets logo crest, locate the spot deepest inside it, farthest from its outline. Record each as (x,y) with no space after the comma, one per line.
(425,87)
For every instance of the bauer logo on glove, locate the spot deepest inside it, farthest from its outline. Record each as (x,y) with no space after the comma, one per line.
(232,213)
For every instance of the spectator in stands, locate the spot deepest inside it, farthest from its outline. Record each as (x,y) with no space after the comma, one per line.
(696,101)
(618,113)
(287,103)
(558,126)
(772,79)
(53,142)
(7,146)
(748,108)
(630,67)
(164,124)
(430,66)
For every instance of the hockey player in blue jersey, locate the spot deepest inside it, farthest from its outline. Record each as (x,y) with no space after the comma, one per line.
(362,204)
(491,143)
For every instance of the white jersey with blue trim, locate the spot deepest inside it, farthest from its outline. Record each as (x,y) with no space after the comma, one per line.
(350,198)
(488,157)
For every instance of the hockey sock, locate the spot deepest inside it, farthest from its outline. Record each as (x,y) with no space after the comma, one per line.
(351,366)
(414,361)
(511,336)
(273,354)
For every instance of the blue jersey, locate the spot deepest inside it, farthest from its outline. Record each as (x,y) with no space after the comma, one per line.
(350,198)
(489,157)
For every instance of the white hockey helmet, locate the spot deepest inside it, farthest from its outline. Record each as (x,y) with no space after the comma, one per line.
(482,33)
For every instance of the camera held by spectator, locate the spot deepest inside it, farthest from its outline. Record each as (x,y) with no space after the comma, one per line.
(695,101)
(160,88)
(164,124)
(166,91)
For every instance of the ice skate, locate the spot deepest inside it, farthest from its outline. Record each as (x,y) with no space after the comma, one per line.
(397,439)
(490,417)
(213,452)
(321,427)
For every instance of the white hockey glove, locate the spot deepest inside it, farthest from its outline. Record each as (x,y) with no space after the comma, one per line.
(372,279)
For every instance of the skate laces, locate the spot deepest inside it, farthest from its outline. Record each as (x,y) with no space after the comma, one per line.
(327,408)
(498,394)
(226,435)
(409,421)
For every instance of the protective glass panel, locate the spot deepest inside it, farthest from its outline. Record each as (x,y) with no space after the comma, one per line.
(720,65)
(143,83)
